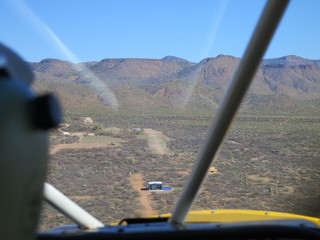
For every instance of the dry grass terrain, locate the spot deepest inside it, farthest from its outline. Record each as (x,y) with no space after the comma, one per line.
(267,163)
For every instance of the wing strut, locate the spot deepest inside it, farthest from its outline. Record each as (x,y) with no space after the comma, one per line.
(258,44)
(69,208)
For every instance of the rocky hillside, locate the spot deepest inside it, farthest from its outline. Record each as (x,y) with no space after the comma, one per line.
(175,83)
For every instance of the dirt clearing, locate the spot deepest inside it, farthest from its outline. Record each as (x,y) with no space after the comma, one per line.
(88,142)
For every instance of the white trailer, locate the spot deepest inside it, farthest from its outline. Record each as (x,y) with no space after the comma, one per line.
(155,185)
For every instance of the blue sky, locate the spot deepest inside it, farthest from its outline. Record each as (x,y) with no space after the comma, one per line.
(79,30)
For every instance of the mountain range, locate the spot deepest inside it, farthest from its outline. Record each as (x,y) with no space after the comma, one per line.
(286,83)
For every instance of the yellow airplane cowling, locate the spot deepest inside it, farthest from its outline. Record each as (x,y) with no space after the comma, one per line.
(236,215)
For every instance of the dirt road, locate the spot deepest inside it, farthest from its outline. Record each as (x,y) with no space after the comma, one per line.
(157,141)
(137,183)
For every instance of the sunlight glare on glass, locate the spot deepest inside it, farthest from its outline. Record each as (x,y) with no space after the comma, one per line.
(218,12)
(45,32)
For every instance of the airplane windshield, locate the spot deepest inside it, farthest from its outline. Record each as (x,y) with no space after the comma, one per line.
(140,82)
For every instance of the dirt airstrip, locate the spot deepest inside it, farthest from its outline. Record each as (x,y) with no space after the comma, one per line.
(137,183)
(157,141)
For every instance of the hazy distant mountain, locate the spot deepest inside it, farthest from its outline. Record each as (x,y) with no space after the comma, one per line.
(56,68)
(136,71)
(172,82)
(174,59)
(290,60)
